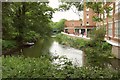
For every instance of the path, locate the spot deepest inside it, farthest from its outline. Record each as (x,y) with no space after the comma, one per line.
(72,35)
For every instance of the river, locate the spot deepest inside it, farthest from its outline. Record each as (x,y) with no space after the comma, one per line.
(49,45)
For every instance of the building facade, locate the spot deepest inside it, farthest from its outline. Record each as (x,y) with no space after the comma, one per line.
(113,27)
(72,27)
(81,27)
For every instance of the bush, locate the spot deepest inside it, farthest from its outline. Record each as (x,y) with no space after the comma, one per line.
(98,51)
(8,44)
(98,34)
(25,67)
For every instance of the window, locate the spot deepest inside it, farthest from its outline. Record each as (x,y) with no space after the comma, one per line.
(87,23)
(109,29)
(87,16)
(117,29)
(117,7)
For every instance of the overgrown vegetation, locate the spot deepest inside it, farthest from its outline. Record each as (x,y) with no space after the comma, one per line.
(69,41)
(23,23)
(8,44)
(21,67)
(97,51)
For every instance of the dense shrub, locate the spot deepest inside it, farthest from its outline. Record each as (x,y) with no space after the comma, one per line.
(98,34)
(98,51)
(8,44)
(21,67)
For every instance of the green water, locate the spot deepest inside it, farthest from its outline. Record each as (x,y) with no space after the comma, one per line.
(41,47)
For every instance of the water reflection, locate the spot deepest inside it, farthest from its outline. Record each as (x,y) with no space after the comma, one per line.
(41,47)
(48,45)
(75,55)
(44,46)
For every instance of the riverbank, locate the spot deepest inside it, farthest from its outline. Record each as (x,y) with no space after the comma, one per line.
(97,53)
(12,47)
(36,63)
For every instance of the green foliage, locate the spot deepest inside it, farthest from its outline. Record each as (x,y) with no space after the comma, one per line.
(6,44)
(21,67)
(98,51)
(96,19)
(31,36)
(99,9)
(73,42)
(96,6)
(22,22)
(58,26)
(98,34)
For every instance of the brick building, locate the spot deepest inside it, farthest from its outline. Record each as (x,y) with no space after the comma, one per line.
(113,27)
(72,26)
(81,27)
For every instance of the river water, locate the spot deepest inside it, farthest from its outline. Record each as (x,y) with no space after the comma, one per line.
(75,55)
(49,45)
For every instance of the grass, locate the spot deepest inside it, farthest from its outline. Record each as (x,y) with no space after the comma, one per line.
(69,41)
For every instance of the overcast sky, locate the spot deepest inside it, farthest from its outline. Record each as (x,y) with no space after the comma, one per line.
(69,15)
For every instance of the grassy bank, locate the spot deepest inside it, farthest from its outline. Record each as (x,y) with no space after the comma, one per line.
(21,67)
(71,41)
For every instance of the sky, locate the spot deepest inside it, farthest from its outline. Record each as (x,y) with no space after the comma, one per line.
(58,15)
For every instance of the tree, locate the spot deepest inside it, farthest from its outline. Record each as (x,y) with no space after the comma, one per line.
(59,26)
(76,7)
(20,19)
(99,9)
